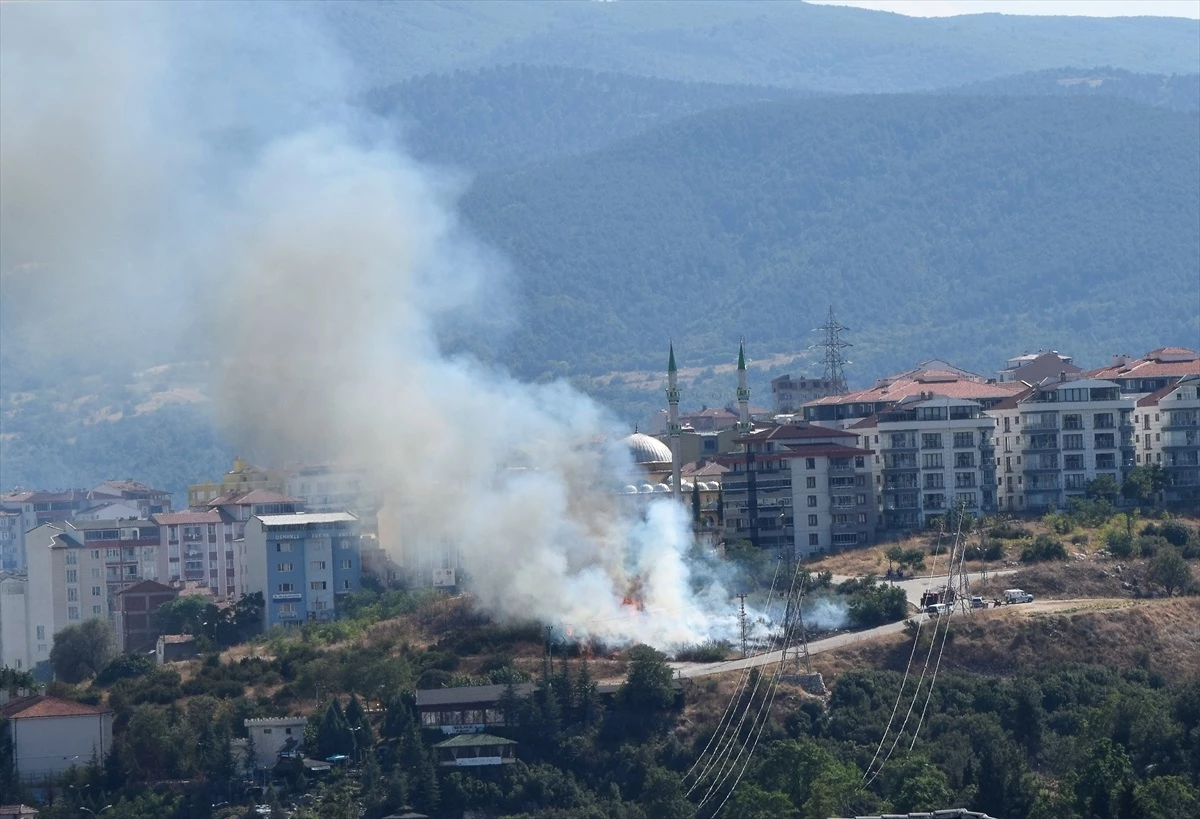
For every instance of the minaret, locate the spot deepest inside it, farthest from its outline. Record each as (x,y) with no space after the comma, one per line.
(743,393)
(673,427)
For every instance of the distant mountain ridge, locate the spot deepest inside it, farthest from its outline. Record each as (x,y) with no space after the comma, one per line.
(1180,92)
(796,45)
(962,227)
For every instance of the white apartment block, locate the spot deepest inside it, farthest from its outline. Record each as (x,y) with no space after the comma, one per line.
(1059,436)
(198,547)
(1167,433)
(14,625)
(933,455)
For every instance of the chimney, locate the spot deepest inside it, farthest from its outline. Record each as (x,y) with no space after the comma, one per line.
(1062,375)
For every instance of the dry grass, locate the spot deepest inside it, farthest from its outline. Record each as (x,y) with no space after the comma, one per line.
(1165,634)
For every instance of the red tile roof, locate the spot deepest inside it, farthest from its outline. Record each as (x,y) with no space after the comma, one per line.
(939,382)
(1152,367)
(1012,401)
(712,468)
(43,705)
(1153,398)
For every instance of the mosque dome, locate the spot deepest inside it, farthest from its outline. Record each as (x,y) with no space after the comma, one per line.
(647,450)
(645,489)
(661,487)
(629,490)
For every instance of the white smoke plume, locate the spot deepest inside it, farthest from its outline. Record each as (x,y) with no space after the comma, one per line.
(826,614)
(197,171)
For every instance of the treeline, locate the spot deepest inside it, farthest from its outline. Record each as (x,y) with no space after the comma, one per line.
(918,217)
(1180,92)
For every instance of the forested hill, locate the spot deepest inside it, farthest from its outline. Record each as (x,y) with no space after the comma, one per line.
(1180,92)
(497,117)
(759,42)
(938,226)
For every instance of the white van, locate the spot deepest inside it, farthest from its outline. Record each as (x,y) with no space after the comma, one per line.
(1017,596)
(937,609)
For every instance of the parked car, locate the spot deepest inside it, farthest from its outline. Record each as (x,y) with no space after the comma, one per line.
(1017,596)
(977,603)
(937,609)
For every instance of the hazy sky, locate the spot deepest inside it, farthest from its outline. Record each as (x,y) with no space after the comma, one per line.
(1084,8)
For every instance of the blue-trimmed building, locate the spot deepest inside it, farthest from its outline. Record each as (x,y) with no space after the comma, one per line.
(303,563)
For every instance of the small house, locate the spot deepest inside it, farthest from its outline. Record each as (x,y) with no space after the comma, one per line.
(475,750)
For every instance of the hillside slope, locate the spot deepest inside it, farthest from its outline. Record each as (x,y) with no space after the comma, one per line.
(824,48)
(502,116)
(1180,92)
(939,226)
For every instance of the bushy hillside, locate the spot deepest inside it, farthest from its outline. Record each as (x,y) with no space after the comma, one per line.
(939,226)
(1180,92)
(767,43)
(497,117)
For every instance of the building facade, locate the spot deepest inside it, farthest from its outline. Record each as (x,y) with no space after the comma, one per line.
(1167,432)
(798,489)
(790,394)
(301,563)
(50,735)
(133,616)
(933,455)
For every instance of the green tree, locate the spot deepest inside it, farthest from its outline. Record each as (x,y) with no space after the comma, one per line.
(696,502)
(1104,782)
(334,734)
(649,686)
(1104,487)
(894,555)
(183,615)
(1166,797)
(82,650)
(1143,483)
(1168,569)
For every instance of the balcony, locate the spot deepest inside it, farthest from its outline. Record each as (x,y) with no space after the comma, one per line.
(1040,426)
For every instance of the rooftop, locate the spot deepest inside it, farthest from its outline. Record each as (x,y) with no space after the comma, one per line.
(934,377)
(474,741)
(787,432)
(43,705)
(301,518)
(242,497)
(467,694)
(1165,362)
(186,518)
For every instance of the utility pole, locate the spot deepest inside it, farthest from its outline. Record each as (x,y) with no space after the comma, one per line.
(549,669)
(742,618)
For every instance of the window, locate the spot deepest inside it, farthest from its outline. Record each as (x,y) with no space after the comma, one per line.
(73,595)
(73,612)
(72,575)
(862,517)
(932,460)
(283,547)
(931,440)
(1072,422)
(861,499)
(859,462)
(1105,440)
(810,482)
(95,554)
(97,591)
(72,558)
(283,568)
(812,520)
(347,564)
(1074,441)
(814,539)
(964,439)
(964,460)
(345,585)
(841,520)
(284,588)
(41,632)
(1106,461)
(287,609)
(810,463)
(317,565)
(1102,420)
(934,480)
(95,609)
(963,480)
(317,585)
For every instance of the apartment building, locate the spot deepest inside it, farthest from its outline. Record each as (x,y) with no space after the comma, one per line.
(1167,433)
(800,489)
(301,563)
(129,551)
(67,583)
(14,625)
(336,489)
(790,394)
(1034,367)
(242,478)
(147,500)
(933,454)
(198,547)
(12,542)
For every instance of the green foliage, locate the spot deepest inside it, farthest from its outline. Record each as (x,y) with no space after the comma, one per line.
(648,686)
(82,650)
(1008,530)
(1104,487)
(1090,511)
(125,666)
(710,652)
(1149,545)
(873,604)
(1118,543)
(1169,570)
(1042,549)
(989,549)
(785,44)
(1143,483)
(756,194)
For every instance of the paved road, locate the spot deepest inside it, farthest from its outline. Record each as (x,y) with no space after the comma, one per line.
(913,589)
(768,658)
(916,586)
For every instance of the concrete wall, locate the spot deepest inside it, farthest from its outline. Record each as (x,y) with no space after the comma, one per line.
(48,746)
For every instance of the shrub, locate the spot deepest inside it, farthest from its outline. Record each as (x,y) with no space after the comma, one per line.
(1118,543)
(1148,545)
(125,666)
(1176,533)
(1043,548)
(1079,540)
(1058,523)
(989,549)
(710,652)
(1008,530)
